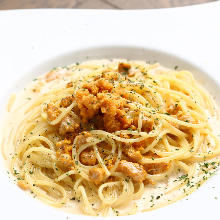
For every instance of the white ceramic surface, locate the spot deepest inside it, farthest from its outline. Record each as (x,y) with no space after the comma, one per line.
(34,41)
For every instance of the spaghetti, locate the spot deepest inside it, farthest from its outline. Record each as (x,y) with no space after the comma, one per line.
(120,136)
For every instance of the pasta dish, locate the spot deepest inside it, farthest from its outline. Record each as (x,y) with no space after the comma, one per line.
(112,137)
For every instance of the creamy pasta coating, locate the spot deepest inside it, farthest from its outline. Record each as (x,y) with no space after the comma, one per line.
(112,137)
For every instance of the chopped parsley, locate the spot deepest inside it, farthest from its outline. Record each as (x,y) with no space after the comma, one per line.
(185,176)
(16,172)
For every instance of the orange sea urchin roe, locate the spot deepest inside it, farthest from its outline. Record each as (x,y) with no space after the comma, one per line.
(132,170)
(96,175)
(99,97)
(52,112)
(102,104)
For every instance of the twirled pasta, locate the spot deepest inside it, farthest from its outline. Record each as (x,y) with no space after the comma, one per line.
(162,129)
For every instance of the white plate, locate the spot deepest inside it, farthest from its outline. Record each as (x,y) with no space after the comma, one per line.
(34,41)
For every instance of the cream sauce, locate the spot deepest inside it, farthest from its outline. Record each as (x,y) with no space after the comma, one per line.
(160,194)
